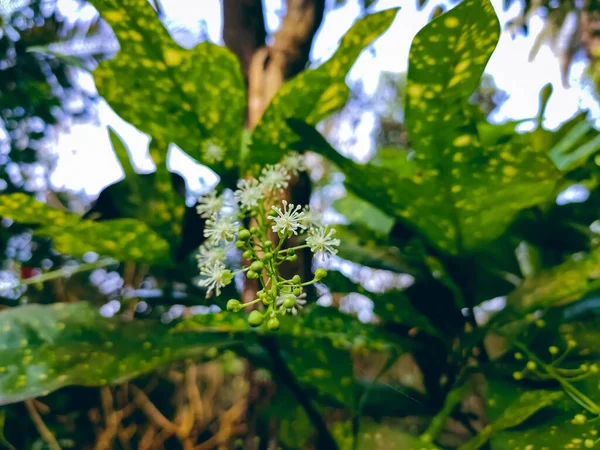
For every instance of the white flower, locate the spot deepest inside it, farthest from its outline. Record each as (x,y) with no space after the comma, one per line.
(249,193)
(275,177)
(209,254)
(215,277)
(294,163)
(310,217)
(300,302)
(287,219)
(320,239)
(209,204)
(220,228)
(212,152)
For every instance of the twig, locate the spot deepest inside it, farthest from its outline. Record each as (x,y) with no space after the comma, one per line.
(41,427)
(152,411)
(193,393)
(325,441)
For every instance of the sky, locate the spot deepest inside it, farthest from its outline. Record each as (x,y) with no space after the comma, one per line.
(87,162)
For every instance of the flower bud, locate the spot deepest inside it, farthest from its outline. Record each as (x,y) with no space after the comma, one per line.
(531,365)
(247,254)
(255,318)
(240,244)
(289,302)
(244,234)
(320,273)
(273,324)
(297,291)
(252,275)
(267,244)
(234,305)
(553,349)
(296,279)
(293,257)
(257,266)
(267,256)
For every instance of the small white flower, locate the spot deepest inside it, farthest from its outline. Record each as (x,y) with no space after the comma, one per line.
(294,163)
(220,228)
(310,217)
(209,254)
(248,194)
(300,302)
(320,239)
(209,204)
(215,277)
(275,177)
(212,152)
(287,219)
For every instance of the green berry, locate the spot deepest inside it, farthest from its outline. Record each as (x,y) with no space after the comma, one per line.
(518,356)
(531,365)
(296,279)
(320,273)
(240,244)
(255,318)
(273,324)
(244,234)
(247,254)
(289,302)
(252,275)
(579,419)
(234,305)
(297,291)
(553,349)
(257,266)
(267,256)
(517,376)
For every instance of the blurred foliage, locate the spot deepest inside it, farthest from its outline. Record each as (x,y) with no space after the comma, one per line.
(492,341)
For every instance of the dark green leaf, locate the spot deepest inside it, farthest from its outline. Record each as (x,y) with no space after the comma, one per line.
(188,97)
(384,437)
(43,348)
(123,239)
(315,93)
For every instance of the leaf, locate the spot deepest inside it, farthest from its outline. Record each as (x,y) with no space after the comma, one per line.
(314,93)
(188,97)
(43,348)
(561,284)
(360,212)
(123,239)
(575,148)
(150,198)
(525,406)
(384,437)
(457,194)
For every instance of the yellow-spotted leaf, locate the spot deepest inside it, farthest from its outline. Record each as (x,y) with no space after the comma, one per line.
(43,348)
(193,98)
(525,406)
(373,436)
(123,239)
(314,94)
(562,284)
(458,194)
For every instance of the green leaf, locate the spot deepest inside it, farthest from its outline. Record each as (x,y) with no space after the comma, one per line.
(456,193)
(123,239)
(384,437)
(150,198)
(525,406)
(188,97)
(314,93)
(575,148)
(562,284)
(360,212)
(43,348)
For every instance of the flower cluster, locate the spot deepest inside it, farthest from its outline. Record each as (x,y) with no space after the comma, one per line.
(257,201)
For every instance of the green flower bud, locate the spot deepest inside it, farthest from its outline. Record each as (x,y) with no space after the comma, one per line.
(293,257)
(296,279)
(273,324)
(518,375)
(531,365)
(244,234)
(320,273)
(255,318)
(254,230)
(594,368)
(252,275)
(234,305)
(257,266)
(553,349)
(518,356)
(240,244)
(579,419)
(267,244)
(267,256)
(247,254)
(589,443)
(289,302)
(584,367)
(297,291)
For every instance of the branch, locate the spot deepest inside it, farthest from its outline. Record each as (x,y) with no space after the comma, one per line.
(324,439)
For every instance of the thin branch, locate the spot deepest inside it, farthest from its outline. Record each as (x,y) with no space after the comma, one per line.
(41,427)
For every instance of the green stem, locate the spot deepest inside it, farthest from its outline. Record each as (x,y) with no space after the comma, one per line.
(61,273)
(453,399)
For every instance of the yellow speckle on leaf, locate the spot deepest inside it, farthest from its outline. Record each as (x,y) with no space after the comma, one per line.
(509,171)
(463,140)
(172,57)
(451,22)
